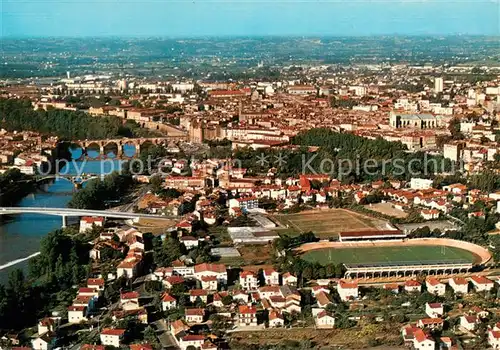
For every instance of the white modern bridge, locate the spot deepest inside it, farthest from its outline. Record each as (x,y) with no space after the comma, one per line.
(64,213)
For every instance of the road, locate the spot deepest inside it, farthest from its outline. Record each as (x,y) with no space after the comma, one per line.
(80,212)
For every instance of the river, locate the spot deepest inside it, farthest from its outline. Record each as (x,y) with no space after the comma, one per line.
(20,237)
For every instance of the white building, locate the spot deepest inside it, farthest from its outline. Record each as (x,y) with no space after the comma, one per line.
(434,309)
(459,285)
(247,316)
(438,85)
(347,290)
(168,302)
(482,284)
(469,322)
(272,277)
(420,184)
(435,287)
(76,314)
(88,222)
(112,337)
(248,280)
(44,342)
(191,340)
(324,320)
(494,338)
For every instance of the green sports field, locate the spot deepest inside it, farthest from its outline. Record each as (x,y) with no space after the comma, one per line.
(377,255)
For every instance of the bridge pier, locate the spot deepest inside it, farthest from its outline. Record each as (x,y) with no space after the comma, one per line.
(64,221)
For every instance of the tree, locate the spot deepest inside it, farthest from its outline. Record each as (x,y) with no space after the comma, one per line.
(454,128)
(227,300)
(155,182)
(150,335)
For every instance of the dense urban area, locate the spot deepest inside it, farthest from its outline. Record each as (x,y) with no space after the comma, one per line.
(340,193)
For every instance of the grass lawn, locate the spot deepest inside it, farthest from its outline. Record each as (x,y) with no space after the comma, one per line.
(387,254)
(328,223)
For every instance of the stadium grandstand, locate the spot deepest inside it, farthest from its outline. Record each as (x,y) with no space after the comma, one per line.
(371,235)
(407,268)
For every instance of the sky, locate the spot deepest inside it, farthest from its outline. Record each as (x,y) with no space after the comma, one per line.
(183,18)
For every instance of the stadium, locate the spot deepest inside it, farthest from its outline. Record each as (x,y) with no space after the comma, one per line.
(400,258)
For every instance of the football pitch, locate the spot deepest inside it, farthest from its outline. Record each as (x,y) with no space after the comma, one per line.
(377,255)
(329,223)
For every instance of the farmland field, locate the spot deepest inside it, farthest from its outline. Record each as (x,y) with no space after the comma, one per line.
(328,223)
(376,255)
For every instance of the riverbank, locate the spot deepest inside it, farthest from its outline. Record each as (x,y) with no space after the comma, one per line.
(15,185)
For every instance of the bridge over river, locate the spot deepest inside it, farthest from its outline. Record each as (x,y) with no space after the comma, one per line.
(117,145)
(64,213)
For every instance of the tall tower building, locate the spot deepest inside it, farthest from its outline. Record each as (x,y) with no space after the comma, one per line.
(438,85)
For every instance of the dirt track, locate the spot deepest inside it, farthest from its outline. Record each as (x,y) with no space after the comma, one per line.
(482,253)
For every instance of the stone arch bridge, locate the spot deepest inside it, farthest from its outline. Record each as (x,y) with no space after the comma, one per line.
(138,143)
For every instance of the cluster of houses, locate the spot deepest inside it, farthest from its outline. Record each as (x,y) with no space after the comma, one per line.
(431,201)
(418,335)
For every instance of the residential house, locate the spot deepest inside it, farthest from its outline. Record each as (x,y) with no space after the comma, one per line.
(289,279)
(112,337)
(323,299)
(421,340)
(347,290)
(217,270)
(434,310)
(324,320)
(88,222)
(44,341)
(459,285)
(194,315)
(45,325)
(469,322)
(194,294)
(481,283)
(189,242)
(96,283)
(412,286)
(168,302)
(191,340)
(431,323)
(209,283)
(129,267)
(129,300)
(77,314)
(435,287)
(271,276)
(276,319)
(247,316)
(240,296)
(494,339)
(248,280)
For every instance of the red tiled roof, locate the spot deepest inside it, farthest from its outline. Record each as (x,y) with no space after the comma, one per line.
(129,295)
(111,331)
(194,312)
(76,308)
(92,219)
(168,298)
(370,233)
(193,337)
(95,282)
(92,347)
(198,292)
(348,285)
(245,309)
(412,283)
(460,280)
(217,268)
(481,280)
(140,347)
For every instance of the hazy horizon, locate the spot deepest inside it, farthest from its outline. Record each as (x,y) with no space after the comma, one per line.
(248,18)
